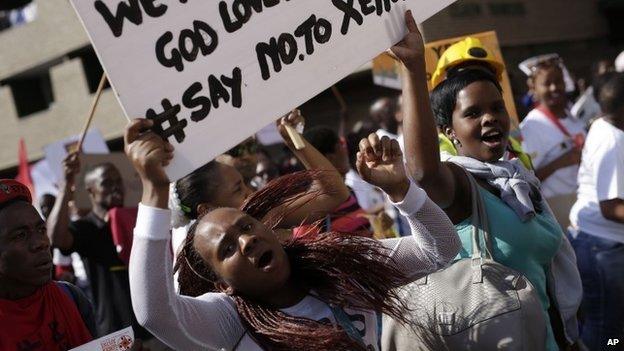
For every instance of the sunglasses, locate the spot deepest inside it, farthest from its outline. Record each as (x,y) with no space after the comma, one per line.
(243,149)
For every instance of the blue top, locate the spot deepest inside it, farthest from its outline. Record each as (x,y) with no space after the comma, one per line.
(527,247)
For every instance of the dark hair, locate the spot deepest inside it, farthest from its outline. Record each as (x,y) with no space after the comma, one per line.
(611,95)
(444,96)
(6,204)
(599,81)
(324,139)
(198,187)
(344,270)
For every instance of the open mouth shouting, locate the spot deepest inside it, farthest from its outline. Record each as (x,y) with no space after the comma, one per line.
(493,138)
(265,261)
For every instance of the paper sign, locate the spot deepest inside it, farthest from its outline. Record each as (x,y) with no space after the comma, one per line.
(225,69)
(386,70)
(118,341)
(132,183)
(56,152)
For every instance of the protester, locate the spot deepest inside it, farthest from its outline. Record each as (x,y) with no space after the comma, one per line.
(599,217)
(586,108)
(266,170)
(35,312)
(92,239)
(551,136)
(383,112)
(349,217)
(370,198)
(248,291)
(470,109)
(46,203)
(244,158)
(470,53)
(217,185)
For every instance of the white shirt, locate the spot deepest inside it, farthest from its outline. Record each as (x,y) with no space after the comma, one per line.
(312,308)
(601,178)
(544,142)
(370,198)
(586,107)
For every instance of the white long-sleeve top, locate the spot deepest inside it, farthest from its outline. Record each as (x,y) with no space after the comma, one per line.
(211,322)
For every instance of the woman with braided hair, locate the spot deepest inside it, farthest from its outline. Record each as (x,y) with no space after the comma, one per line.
(218,184)
(247,291)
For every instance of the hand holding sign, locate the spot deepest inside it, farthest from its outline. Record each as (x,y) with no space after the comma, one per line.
(410,50)
(149,153)
(71,167)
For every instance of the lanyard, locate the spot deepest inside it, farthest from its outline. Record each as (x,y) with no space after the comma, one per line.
(344,321)
(578,140)
(551,117)
(346,324)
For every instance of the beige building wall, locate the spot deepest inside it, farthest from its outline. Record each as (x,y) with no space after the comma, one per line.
(36,45)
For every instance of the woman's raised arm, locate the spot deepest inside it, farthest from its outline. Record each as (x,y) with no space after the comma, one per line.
(421,136)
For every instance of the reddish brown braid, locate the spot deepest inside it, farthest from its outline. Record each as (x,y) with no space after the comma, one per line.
(343,269)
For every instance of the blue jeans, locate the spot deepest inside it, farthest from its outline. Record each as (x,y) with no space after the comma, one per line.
(601,264)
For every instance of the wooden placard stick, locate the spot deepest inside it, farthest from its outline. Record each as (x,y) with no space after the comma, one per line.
(94,104)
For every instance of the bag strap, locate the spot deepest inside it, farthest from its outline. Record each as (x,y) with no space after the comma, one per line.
(480,222)
(82,304)
(68,292)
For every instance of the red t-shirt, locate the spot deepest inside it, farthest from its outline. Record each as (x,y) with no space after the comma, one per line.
(48,320)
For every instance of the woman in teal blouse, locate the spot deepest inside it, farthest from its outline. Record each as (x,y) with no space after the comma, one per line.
(470,110)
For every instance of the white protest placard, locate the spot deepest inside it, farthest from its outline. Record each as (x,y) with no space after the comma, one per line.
(118,341)
(55,153)
(225,69)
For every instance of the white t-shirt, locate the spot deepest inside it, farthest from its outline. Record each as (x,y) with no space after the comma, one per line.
(601,178)
(544,142)
(312,308)
(586,107)
(369,197)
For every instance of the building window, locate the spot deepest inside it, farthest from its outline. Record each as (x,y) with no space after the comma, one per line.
(465,9)
(91,66)
(31,93)
(507,8)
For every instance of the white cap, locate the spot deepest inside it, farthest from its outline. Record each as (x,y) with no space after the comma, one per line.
(619,62)
(527,67)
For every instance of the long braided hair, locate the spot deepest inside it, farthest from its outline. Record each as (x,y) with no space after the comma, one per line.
(343,269)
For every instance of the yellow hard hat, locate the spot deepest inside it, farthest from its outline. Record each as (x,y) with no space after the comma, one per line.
(469,49)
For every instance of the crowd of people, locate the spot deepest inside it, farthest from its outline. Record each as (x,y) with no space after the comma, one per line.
(428,226)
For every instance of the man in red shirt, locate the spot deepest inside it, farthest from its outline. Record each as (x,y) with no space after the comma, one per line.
(35,312)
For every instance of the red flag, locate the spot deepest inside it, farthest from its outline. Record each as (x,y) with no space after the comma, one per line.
(23,172)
